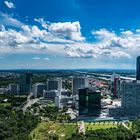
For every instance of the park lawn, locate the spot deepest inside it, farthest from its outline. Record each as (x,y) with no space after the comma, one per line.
(5,104)
(95,126)
(21,96)
(51,105)
(64,131)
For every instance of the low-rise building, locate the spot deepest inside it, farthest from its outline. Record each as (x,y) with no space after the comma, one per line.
(50,95)
(63,101)
(4,90)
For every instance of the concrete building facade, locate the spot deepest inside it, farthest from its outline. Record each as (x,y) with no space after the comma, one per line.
(130,101)
(14,89)
(63,101)
(115,84)
(55,84)
(79,82)
(50,95)
(38,88)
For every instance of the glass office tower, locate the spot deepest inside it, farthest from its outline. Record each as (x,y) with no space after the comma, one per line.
(25,83)
(89,102)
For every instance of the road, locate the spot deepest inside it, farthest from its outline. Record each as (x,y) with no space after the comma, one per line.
(81,127)
(29,103)
(125,125)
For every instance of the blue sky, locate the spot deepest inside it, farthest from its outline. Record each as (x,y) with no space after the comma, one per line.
(53,34)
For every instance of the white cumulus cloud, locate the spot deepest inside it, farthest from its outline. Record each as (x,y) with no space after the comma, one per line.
(47,59)
(68,30)
(9,4)
(87,50)
(65,39)
(42,22)
(9,21)
(36,58)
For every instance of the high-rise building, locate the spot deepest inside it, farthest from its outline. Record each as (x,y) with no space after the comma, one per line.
(25,83)
(117,87)
(77,83)
(55,84)
(130,97)
(89,102)
(138,68)
(114,75)
(13,88)
(115,84)
(38,89)
(131,94)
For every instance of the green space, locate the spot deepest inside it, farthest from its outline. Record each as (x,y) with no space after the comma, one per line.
(50,112)
(12,100)
(100,125)
(21,96)
(51,103)
(48,130)
(16,125)
(130,125)
(5,104)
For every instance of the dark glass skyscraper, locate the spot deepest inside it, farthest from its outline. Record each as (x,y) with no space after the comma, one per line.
(138,69)
(89,102)
(83,101)
(25,83)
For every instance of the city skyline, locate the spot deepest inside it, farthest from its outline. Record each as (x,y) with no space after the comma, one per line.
(74,34)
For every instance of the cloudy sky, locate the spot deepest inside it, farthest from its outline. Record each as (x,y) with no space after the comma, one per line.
(57,34)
